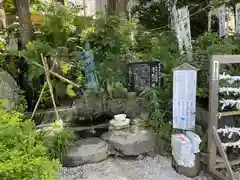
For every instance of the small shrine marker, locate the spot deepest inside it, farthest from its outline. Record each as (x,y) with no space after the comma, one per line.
(184,97)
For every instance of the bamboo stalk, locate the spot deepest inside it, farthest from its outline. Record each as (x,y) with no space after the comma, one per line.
(60,77)
(41,94)
(50,85)
(57,75)
(39,99)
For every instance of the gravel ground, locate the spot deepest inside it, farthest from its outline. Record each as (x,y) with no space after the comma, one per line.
(158,168)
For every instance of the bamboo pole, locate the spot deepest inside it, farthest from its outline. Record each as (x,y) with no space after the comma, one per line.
(50,85)
(41,94)
(39,99)
(47,71)
(57,75)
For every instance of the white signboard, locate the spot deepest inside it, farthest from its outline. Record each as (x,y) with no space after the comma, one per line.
(184,99)
(183,29)
(238,18)
(222,21)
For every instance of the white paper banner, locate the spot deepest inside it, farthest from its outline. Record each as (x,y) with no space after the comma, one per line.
(183,29)
(222,21)
(238,18)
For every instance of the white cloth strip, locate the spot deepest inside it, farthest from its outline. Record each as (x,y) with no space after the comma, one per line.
(230,102)
(229,90)
(229,130)
(231,144)
(230,79)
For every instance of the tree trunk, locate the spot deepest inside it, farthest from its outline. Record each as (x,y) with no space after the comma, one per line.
(117,6)
(24,21)
(2,15)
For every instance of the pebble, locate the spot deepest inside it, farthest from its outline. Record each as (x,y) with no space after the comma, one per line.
(158,168)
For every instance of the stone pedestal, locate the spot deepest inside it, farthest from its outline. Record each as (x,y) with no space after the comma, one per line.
(189,172)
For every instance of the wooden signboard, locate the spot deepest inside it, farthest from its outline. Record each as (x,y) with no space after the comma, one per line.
(184,97)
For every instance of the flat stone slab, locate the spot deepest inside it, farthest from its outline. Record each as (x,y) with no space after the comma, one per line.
(130,144)
(86,151)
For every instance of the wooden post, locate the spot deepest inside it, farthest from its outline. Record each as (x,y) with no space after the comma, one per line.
(213,111)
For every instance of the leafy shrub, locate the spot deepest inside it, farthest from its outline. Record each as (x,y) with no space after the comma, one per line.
(10,8)
(57,39)
(157,45)
(22,155)
(153,14)
(159,115)
(163,47)
(57,143)
(204,47)
(112,40)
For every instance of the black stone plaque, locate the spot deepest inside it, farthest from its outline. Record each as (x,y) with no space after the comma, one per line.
(144,75)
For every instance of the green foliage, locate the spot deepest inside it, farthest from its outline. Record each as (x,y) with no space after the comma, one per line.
(58,28)
(112,40)
(22,156)
(204,47)
(57,143)
(22,105)
(10,8)
(152,15)
(159,113)
(161,45)
(57,40)
(46,98)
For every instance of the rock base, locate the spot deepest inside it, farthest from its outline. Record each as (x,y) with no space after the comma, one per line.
(130,144)
(86,151)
